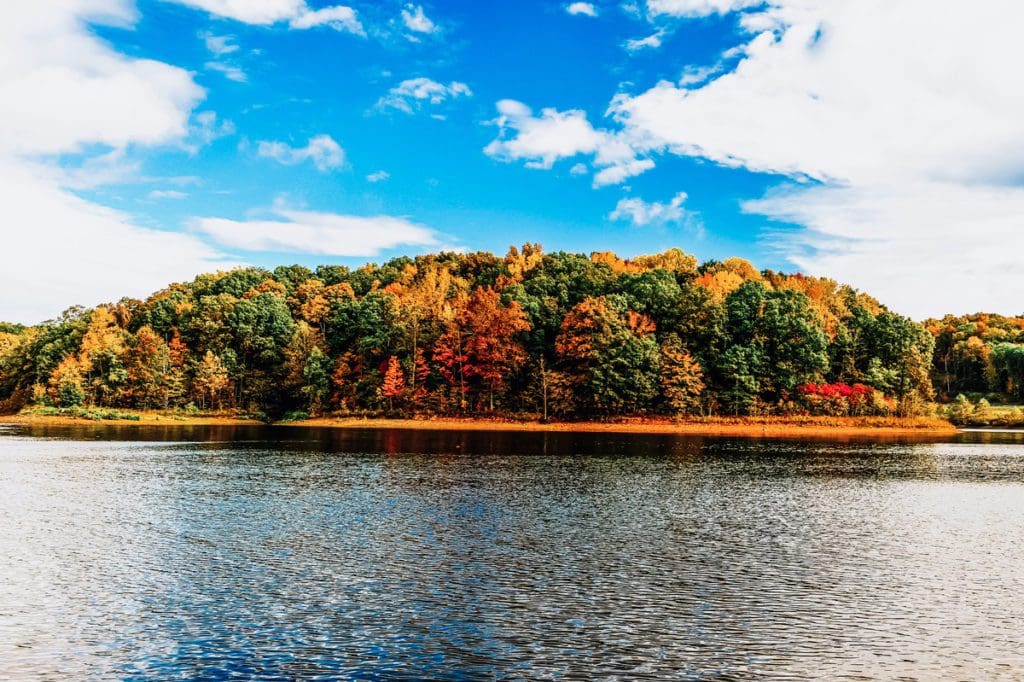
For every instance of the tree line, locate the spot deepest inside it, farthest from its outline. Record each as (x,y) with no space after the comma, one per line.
(981,355)
(543,334)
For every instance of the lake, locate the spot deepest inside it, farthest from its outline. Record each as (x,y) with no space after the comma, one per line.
(277,553)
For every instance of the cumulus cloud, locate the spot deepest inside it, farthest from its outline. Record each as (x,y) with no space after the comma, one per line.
(640,212)
(585,9)
(378,176)
(541,141)
(322,150)
(416,20)
(926,248)
(889,110)
(71,251)
(328,234)
(410,95)
(67,92)
(51,65)
(296,13)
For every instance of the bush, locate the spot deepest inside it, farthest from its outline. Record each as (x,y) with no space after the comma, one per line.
(960,410)
(842,400)
(983,413)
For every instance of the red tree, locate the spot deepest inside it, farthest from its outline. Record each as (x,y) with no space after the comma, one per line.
(480,349)
(394,382)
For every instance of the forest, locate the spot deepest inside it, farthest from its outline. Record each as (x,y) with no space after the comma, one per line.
(531,334)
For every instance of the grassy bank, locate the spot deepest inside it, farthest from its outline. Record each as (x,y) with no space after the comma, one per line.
(126,417)
(758,427)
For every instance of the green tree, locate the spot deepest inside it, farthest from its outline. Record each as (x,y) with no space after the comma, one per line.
(608,356)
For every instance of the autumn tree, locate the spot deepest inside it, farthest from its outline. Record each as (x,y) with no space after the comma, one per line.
(147,361)
(66,383)
(394,382)
(682,379)
(211,381)
(481,350)
(595,334)
(345,379)
(100,357)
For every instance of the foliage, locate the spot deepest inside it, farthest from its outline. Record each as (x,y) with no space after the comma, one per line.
(565,334)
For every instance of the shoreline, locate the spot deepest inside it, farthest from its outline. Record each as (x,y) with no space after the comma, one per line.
(749,427)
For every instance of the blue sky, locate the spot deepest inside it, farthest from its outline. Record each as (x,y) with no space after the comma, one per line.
(148,141)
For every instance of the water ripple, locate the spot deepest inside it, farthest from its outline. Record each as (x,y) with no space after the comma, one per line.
(374,557)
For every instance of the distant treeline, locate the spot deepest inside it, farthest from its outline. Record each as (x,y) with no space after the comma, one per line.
(979,354)
(562,335)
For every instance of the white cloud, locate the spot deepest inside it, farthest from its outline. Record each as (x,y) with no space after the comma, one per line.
(586,9)
(326,234)
(322,150)
(823,98)
(540,141)
(219,45)
(416,21)
(410,95)
(230,72)
(266,12)
(51,67)
(67,92)
(622,171)
(925,248)
(206,128)
(697,8)
(113,167)
(697,75)
(894,109)
(167,194)
(640,212)
(652,41)
(261,12)
(339,18)
(378,176)
(63,250)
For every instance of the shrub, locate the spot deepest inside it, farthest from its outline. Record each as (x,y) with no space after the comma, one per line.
(841,400)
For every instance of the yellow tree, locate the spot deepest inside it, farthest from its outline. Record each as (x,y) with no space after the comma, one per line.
(682,380)
(100,356)
(148,363)
(424,304)
(211,380)
(65,387)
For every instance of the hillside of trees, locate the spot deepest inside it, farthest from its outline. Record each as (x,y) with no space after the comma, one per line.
(562,335)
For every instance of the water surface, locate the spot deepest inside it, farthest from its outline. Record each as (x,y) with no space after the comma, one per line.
(300,554)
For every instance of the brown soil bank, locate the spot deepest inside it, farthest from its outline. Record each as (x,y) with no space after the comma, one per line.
(751,427)
(797,427)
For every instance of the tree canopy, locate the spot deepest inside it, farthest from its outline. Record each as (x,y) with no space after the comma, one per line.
(448,333)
